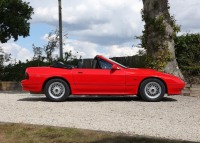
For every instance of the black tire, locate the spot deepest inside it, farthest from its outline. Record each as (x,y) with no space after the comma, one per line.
(57,90)
(139,96)
(152,90)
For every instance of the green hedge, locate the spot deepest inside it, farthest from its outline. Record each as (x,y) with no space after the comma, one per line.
(188,53)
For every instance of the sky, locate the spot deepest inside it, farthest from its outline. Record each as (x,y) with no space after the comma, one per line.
(105,27)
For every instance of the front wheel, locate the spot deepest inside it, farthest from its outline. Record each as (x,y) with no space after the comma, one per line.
(152,90)
(57,90)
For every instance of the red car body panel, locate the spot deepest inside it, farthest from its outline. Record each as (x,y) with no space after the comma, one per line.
(125,81)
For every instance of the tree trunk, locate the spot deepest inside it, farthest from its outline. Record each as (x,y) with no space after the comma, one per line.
(158,36)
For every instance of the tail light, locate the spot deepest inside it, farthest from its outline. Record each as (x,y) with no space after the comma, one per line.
(26,76)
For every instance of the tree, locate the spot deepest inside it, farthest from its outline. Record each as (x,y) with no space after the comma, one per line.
(1,57)
(14,17)
(158,36)
(53,43)
(37,52)
(4,57)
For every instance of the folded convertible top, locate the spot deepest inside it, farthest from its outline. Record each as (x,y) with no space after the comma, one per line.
(61,65)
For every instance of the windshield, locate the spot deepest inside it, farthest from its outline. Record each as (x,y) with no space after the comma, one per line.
(118,63)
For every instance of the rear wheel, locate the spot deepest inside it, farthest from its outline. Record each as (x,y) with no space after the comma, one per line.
(152,90)
(57,90)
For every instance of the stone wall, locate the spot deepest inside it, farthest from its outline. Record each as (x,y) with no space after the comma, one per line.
(195,90)
(192,90)
(10,86)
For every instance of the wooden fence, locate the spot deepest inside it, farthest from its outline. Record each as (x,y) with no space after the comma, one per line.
(130,61)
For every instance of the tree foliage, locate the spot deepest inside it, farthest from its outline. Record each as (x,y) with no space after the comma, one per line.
(14,19)
(37,53)
(53,43)
(49,49)
(1,57)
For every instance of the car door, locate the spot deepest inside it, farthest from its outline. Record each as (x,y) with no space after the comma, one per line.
(99,79)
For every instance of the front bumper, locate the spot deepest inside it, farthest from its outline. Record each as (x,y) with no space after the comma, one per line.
(176,88)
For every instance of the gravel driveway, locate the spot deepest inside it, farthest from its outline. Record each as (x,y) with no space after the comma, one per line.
(176,117)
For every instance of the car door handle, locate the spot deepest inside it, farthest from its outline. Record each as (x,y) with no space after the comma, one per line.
(80,72)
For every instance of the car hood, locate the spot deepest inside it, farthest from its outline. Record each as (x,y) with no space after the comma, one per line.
(143,70)
(151,72)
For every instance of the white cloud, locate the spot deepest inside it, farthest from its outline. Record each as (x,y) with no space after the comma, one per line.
(101,21)
(116,51)
(118,20)
(81,48)
(87,49)
(90,50)
(17,52)
(187,14)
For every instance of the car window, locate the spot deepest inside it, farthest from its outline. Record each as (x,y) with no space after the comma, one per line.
(104,64)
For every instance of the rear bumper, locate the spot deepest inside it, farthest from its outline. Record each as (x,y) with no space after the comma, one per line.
(30,86)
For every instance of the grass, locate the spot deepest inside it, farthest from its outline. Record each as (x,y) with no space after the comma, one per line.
(21,133)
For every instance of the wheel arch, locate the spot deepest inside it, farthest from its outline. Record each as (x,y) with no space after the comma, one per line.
(56,77)
(154,78)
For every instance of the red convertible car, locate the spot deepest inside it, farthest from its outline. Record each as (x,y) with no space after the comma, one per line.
(106,77)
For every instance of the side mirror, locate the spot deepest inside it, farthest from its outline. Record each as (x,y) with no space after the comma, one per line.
(115,67)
